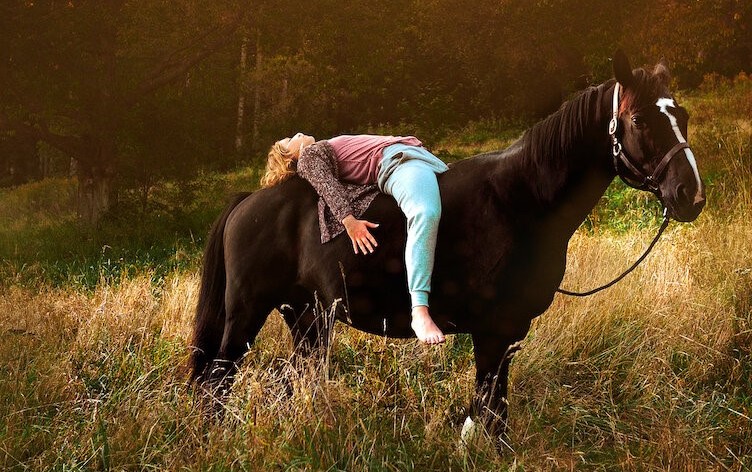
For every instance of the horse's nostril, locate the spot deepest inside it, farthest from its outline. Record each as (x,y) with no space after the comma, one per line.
(689,201)
(681,195)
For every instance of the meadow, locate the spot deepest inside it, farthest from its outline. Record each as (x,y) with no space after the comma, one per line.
(653,374)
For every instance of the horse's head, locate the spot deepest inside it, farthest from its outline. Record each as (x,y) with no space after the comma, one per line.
(648,133)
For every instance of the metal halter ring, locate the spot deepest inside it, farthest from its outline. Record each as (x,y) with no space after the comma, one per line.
(617,148)
(612,125)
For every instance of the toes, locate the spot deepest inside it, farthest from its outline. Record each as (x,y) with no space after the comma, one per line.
(436,339)
(432,339)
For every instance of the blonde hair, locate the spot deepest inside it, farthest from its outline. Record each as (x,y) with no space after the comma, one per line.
(281,163)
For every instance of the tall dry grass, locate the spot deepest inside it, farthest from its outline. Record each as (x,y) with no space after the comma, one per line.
(653,374)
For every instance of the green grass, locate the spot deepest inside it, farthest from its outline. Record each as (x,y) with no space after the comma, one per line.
(42,241)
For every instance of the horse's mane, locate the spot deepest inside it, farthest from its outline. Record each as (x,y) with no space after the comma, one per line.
(549,141)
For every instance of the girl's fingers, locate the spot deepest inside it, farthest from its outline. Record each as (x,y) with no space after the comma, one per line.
(365,242)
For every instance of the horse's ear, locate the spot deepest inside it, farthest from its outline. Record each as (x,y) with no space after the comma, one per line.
(661,71)
(622,69)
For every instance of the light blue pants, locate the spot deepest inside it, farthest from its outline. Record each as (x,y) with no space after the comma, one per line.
(408,173)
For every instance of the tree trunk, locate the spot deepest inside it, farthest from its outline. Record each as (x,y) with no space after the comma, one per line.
(257,91)
(93,196)
(241,94)
(95,173)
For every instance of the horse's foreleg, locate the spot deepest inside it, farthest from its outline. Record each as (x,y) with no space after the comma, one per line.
(489,404)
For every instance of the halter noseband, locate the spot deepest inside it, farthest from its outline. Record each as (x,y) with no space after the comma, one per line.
(643,181)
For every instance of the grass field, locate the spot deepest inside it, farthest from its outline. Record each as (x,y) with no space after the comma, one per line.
(654,374)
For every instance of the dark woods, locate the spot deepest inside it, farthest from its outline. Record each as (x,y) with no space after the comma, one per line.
(126,94)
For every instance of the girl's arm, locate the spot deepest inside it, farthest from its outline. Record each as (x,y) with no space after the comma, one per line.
(318,167)
(359,234)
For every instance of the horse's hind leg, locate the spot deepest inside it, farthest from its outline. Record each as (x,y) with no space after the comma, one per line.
(245,316)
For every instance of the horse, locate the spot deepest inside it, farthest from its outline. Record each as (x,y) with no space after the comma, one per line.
(506,222)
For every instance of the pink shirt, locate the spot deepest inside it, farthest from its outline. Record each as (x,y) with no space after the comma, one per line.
(358,156)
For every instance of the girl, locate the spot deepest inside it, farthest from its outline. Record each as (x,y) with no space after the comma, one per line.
(339,169)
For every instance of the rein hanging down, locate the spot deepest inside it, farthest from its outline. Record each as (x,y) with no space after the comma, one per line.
(626,272)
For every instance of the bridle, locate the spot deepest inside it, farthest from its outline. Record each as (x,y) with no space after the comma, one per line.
(641,180)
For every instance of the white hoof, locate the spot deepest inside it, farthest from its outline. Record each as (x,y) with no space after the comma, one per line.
(469,432)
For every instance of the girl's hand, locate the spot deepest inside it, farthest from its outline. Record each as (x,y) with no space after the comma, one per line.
(359,235)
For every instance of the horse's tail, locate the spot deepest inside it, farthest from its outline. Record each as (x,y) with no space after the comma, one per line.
(209,324)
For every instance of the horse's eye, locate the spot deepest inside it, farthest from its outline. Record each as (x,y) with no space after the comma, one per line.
(638,121)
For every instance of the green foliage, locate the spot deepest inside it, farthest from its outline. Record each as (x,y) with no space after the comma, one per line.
(46,244)
(623,209)
(72,253)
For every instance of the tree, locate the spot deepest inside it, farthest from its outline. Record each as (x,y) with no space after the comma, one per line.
(697,37)
(75,70)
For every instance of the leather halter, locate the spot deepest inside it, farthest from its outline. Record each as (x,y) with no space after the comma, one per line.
(642,180)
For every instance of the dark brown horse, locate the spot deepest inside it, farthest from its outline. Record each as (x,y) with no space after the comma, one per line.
(507,219)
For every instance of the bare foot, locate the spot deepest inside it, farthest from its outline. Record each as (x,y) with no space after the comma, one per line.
(424,327)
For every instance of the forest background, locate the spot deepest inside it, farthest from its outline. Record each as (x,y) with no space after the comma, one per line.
(124,95)
(124,127)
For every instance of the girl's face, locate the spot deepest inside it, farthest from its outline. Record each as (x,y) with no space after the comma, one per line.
(297,143)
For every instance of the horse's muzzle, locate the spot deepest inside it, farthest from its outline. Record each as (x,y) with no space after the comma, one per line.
(686,204)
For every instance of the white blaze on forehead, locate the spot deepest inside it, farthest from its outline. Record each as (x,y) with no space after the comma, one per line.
(663,104)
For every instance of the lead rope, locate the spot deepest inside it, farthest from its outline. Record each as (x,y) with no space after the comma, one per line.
(633,267)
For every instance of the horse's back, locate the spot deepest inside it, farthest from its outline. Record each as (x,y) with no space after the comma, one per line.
(263,235)
(273,242)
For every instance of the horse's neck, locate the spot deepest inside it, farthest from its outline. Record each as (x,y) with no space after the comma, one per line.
(563,160)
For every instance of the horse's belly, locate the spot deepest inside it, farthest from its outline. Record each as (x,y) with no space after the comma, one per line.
(378,303)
